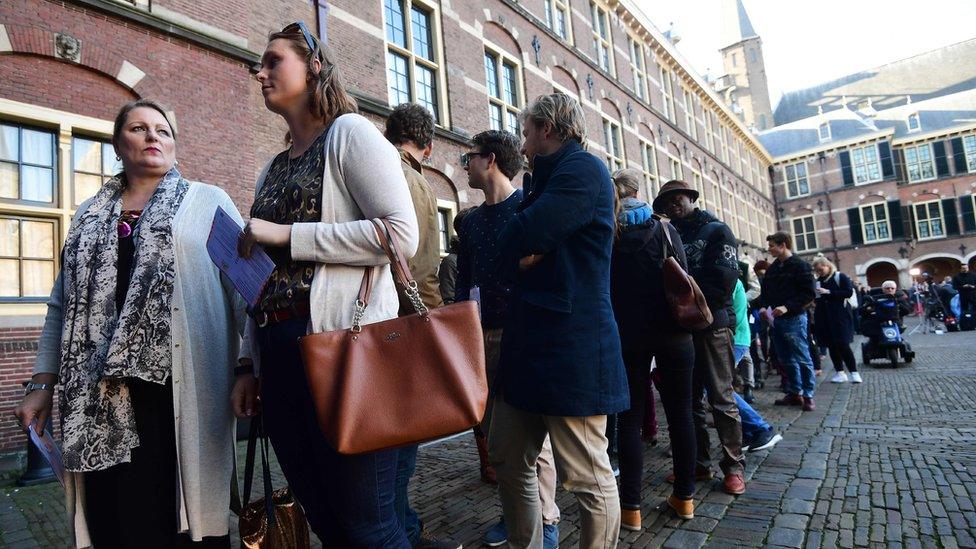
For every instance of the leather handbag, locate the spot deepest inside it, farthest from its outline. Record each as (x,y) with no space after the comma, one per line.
(275,522)
(684,297)
(400,381)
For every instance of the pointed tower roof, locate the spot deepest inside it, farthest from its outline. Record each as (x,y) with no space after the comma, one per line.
(735,24)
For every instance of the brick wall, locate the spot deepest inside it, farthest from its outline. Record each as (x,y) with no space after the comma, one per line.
(18,346)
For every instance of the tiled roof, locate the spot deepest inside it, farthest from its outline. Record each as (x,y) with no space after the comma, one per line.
(936,73)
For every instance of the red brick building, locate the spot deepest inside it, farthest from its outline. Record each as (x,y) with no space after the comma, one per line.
(67,66)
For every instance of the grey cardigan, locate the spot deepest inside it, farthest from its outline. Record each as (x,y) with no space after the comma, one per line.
(208,318)
(362,180)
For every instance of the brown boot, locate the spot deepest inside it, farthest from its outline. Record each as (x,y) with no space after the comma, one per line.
(630,519)
(684,508)
(487,472)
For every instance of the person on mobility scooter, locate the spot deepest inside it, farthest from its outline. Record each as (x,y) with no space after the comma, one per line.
(881,313)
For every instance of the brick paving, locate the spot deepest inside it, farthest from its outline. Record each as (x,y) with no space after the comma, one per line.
(890,462)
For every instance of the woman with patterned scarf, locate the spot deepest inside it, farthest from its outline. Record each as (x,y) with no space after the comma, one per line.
(141,337)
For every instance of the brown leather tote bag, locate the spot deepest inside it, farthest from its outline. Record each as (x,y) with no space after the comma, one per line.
(400,381)
(684,297)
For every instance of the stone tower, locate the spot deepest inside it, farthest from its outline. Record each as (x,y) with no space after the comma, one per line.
(745,72)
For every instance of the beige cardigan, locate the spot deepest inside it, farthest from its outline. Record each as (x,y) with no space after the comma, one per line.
(363,180)
(207,320)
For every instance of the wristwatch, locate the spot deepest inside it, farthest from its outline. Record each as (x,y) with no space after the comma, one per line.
(31,387)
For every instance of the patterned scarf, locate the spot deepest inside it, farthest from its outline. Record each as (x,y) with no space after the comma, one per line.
(101,349)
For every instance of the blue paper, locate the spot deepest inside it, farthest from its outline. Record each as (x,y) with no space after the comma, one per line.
(249,276)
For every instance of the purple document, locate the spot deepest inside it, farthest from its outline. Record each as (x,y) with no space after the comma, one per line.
(248,275)
(49,449)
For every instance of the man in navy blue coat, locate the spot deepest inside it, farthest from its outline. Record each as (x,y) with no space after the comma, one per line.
(561,370)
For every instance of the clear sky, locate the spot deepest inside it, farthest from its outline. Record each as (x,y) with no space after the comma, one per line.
(808,42)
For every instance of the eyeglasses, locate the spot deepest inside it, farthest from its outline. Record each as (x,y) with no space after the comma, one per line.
(466,157)
(309,39)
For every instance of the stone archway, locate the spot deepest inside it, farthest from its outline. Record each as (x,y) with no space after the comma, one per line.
(937,266)
(880,271)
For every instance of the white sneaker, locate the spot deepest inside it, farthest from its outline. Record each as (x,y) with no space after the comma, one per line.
(855,377)
(841,377)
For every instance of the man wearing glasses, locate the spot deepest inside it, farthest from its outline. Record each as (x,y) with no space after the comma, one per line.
(495,158)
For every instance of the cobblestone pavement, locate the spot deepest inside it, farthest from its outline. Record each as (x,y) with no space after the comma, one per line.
(890,462)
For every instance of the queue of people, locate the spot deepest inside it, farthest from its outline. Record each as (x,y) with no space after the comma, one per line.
(154,352)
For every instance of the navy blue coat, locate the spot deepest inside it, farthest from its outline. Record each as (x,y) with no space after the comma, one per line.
(560,348)
(833,323)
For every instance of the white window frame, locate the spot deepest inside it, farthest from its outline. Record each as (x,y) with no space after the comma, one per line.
(441,116)
(810,232)
(709,131)
(690,125)
(969,150)
(725,143)
(667,94)
(552,9)
(450,208)
(824,136)
(602,45)
(674,163)
(795,181)
(866,164)
(876,222)
(508,110)
(649,164)
(613,143)
(918,122)
(699,184)
(638,67)
(919,163)
(928,220)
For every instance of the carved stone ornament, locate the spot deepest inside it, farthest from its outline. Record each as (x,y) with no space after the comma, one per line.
(67,47)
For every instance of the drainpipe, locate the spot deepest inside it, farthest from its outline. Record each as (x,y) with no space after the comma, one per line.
(321,20)
(822,158)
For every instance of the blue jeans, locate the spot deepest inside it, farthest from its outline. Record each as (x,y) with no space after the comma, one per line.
(793,350)
(348,500)
(752,422)
(406,464)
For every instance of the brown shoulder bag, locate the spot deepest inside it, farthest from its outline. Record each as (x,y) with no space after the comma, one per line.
(400,381)
(684,297)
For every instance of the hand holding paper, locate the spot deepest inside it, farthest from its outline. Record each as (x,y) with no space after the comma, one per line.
(249,275)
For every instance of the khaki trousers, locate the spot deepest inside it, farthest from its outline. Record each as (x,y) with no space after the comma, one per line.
(545,466)
(579,444)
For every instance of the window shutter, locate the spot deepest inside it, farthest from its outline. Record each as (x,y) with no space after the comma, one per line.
(854,222)
(958,155)
(968,215)
(887,167)
(895,220)
(941,162)
(908,219)
(899,155)
(845,168)
(951,218)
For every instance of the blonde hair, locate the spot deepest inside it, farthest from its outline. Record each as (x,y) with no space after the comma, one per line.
(330,99)
(562,112)
(627,181)
(822,260)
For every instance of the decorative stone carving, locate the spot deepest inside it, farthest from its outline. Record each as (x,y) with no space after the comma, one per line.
(67,47)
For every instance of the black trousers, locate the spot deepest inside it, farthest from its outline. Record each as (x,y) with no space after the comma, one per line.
(674,355)
(134,505)
(841,355)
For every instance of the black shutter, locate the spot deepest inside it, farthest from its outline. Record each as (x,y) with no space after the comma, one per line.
(951,218)
(900,166)
(845,168)
(941,162)
(854,222)
(887,167)
(959,155)
(895,220)
(908,221)
(968,215)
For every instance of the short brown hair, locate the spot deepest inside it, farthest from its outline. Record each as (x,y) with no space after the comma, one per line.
(781,237)
(123,116)
(330,99)
(411,123)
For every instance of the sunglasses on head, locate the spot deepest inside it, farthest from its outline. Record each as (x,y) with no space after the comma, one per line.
(309,39)
(466,157)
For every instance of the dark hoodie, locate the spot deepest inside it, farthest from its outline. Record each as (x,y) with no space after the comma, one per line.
(636,285)
(712,253)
